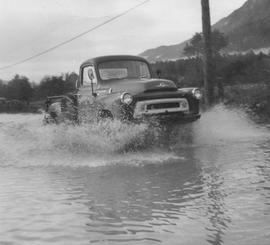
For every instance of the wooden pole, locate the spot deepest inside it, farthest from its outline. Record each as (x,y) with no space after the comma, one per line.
(207,60)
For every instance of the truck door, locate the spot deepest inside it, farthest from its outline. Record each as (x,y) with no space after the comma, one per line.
(87,101)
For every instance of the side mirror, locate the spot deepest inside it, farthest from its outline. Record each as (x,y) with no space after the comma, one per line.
(91,74)
(91,77)
(77,85)
(158,71)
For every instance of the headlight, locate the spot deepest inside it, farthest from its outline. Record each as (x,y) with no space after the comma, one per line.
(197,93)
(126,98)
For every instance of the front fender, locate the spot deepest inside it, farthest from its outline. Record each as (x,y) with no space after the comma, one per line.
(112,102)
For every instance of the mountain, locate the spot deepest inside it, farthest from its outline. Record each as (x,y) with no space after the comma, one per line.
(172,52)
(247,28)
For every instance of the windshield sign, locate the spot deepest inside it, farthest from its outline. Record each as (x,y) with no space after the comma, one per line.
(109,73)
(124,69)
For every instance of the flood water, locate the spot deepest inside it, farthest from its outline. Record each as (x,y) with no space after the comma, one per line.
(208,183)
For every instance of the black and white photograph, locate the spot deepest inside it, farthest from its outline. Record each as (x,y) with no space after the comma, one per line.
(135,122)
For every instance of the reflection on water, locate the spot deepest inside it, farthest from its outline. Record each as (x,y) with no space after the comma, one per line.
(208,185)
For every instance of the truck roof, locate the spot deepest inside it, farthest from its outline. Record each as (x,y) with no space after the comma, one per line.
(101,59)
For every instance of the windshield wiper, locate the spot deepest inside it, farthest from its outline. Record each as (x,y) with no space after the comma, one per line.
(115,78)
(144,76)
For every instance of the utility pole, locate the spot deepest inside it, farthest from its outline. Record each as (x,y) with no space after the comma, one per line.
(207,60)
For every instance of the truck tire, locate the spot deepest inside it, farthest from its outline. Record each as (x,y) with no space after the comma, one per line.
(104,114)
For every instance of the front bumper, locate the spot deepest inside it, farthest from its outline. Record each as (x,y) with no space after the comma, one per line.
(179,110)
(180,118)
(161,107)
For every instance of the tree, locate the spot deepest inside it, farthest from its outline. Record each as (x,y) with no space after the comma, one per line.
(2,88)
(219,42)
(51,85)
(195,47)
(70,81)
(19,88)
(56,85)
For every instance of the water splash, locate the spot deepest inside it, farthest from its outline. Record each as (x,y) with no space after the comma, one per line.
(221,124)
(25,141)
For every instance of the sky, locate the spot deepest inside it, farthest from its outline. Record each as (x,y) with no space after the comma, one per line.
(28,27)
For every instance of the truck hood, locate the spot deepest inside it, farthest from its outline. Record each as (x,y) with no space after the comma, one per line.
(135,86)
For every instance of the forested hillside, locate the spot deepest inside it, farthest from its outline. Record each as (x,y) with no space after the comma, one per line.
(246,28)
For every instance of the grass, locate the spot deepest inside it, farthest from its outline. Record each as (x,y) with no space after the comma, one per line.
(254,98)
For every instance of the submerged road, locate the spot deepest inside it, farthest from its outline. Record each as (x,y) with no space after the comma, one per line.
(208,183)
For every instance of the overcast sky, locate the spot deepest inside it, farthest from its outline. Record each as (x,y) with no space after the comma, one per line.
(28,27)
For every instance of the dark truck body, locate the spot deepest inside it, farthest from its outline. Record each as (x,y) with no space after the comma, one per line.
(123,87)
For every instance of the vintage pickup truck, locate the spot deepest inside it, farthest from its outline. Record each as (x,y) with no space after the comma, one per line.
(123,87)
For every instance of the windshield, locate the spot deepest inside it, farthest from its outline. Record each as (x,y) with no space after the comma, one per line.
(123,69)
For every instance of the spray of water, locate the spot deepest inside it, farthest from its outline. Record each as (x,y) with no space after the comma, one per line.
(25,141)
(223,125)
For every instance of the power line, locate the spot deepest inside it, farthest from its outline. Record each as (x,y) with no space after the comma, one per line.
(75,37)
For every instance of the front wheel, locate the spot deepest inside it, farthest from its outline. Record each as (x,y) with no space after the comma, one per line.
(104,115)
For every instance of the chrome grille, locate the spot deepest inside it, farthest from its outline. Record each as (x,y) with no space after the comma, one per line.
(160,106)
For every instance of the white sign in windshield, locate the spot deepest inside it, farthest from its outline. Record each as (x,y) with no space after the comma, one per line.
(123,69)
(113,73)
